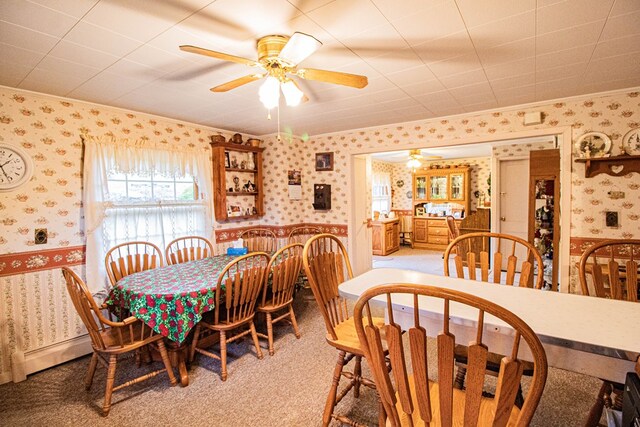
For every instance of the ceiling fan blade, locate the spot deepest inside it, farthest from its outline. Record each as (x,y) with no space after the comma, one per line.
(237,82)
(299,47)
(335,77)
(219,55)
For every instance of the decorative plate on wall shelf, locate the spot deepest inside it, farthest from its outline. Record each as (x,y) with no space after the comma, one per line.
(631,142)
(592,145)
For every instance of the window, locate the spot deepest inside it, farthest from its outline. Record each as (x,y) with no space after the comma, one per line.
(141,190)
(151,207)
(381,192)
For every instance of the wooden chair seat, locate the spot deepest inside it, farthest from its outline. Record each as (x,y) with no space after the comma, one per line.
(113,337)
(487,408)
(348,336)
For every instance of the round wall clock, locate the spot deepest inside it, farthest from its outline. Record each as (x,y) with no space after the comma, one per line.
(16,167)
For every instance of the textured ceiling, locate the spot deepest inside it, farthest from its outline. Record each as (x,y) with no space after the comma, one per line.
(423,58)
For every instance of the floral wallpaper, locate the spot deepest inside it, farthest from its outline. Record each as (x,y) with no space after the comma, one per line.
(34,310)
(33,302)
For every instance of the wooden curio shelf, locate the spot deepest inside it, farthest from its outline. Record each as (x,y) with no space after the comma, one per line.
(221,186)
(614,166)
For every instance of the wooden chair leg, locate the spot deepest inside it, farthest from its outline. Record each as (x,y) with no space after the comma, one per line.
(111,377)
(167,363)
(88,379)
(460,375)
(269,322)
(293,322)
(357,374)
(254,335)
(194,343)
(223,355)
(331,397)
(596,410)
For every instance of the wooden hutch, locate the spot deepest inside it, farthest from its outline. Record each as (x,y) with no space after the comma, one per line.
(438,186)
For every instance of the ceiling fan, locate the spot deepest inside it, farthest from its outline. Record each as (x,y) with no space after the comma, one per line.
(278,59)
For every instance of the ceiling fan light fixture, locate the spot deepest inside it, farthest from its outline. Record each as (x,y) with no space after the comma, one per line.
(414,160)
(299,47)
(292,94)
(270,93)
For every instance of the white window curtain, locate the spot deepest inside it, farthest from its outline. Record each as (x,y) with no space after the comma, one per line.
(110,221)
(381,192)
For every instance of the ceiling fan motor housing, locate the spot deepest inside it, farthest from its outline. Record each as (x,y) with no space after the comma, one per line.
(269,47)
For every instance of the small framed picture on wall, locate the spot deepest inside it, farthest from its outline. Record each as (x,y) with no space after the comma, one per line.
(227,162)
(324,161)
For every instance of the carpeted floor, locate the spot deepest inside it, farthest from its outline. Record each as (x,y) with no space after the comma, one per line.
(287,389)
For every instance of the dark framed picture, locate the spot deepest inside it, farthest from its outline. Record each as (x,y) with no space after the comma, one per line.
(227,162)
(324,161)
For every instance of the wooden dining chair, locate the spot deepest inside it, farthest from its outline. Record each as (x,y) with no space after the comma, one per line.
(612,269)
(190,248)
(260,240)
(473,249)
(237,291)
(131,257)
(303,233)
(327,265)
(277,295)
(111,339)
(410,397)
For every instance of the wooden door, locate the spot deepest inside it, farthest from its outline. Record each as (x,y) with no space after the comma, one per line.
(361,247)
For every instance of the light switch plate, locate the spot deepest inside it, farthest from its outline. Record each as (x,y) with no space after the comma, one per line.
(611,219)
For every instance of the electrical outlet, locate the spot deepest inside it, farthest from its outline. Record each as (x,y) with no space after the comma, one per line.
(611,219)
(41,236)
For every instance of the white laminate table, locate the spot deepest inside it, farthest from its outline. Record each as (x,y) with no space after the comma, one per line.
(593,336)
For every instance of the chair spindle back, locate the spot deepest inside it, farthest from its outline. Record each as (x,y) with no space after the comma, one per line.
(472,250)
(131,257)
(303,234)
(617,259)
(327,265)
(190,248)
(407,394)
(239,286)
(283,269)
(260,240)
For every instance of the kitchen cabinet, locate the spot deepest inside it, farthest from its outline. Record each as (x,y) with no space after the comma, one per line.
(385,236)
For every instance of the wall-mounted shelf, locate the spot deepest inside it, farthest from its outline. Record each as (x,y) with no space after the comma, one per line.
(226,201)
(614,166)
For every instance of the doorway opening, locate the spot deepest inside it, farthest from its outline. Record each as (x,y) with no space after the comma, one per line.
(481,185)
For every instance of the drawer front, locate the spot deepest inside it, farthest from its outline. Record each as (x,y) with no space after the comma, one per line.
(433,231)
(439,240)
(437,223)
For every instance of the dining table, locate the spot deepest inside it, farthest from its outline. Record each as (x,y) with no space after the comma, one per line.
(171,300)
(594,336)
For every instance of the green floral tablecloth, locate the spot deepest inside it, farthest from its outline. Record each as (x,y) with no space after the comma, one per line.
(171,299)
